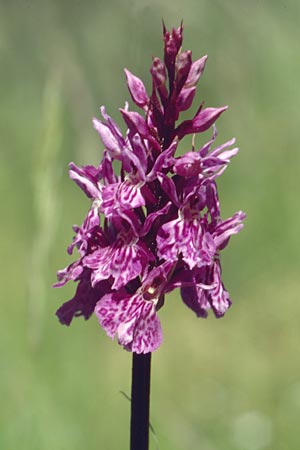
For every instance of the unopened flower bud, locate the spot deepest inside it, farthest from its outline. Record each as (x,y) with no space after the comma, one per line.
(183,65)
(195,72)
(137,89)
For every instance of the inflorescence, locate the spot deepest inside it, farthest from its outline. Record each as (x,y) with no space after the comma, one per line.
(155,225)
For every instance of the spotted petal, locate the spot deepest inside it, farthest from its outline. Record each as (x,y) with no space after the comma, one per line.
(84,300)
(185,237)
(121,196)
(123,261)
(220,300)
(132,319)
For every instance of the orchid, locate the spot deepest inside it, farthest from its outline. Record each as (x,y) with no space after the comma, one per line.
(155,225)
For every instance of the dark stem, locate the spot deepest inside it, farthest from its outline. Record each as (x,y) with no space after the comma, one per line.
(140,400)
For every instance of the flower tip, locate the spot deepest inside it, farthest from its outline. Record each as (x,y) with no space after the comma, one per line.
(103,113)
(204,60)
(96,123)
(242,215)
(72,165)
(136,88)
(219,111)
(123,111)
(127,73)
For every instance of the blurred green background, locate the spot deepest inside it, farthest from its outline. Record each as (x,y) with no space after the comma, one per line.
(229,384)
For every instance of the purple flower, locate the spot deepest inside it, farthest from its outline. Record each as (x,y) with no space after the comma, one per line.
(186,238)
(133,317)
(205,290)
(124,259)
(155,225)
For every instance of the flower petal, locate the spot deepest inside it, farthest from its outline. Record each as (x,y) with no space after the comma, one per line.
(196,299)
(89,232)
(227,228)
(163,161)
(152,217)
(137,124)
(123,261)
(121,197)
(201,122)
(84,300)
(220,300)
(85,178)
(132,319)
(71,272)
(186,238)
(148,333)
(168,187)
(109,141)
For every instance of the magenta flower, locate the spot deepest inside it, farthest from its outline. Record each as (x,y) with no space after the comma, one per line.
(155,226)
